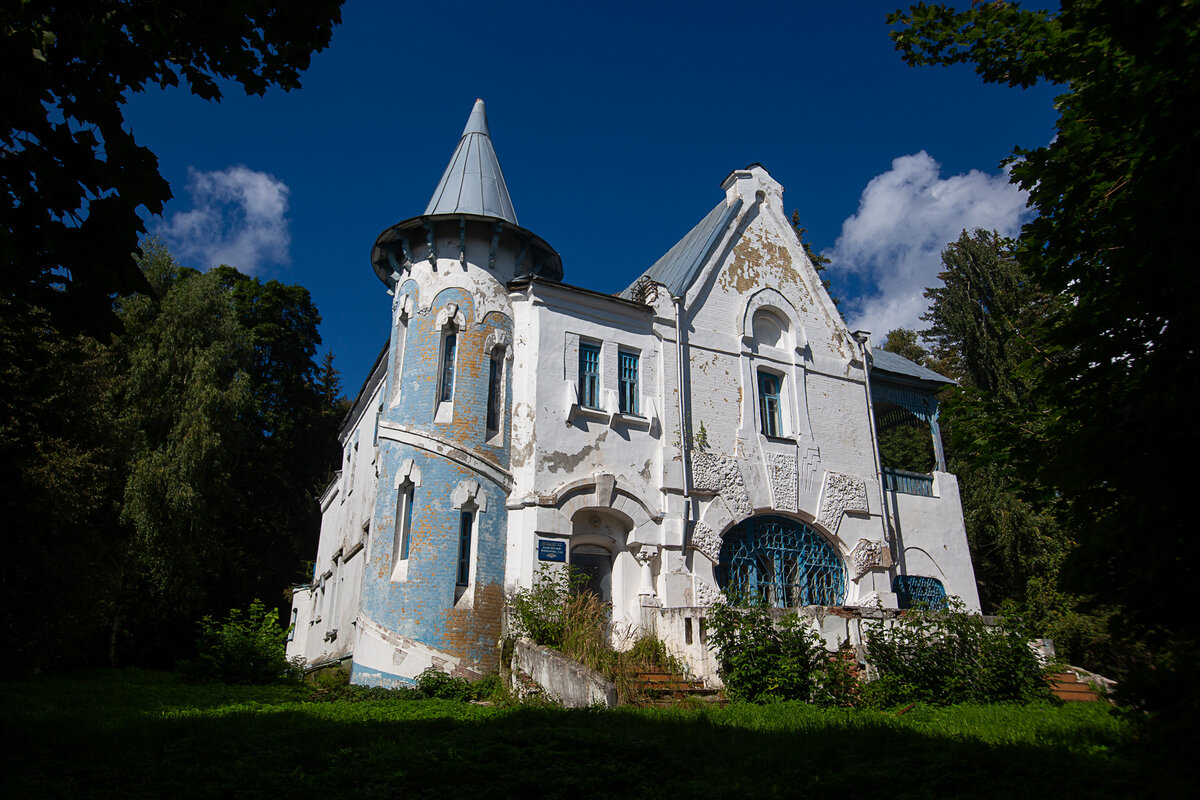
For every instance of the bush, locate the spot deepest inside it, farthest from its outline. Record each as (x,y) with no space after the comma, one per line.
(556,613)
(243,648)
(945,657)
(762,662)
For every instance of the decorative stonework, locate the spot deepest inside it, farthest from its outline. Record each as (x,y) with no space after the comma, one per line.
(869,600)
(707,542)
(721,474)
(841,493)
(706,594)
(810,463)
(498,337)
(451,315)
(781,470)
(468,493)
(870,554)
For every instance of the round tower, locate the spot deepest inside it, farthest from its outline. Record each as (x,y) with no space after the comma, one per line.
(432,591)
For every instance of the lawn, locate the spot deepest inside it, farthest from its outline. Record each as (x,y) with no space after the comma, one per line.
(133,733)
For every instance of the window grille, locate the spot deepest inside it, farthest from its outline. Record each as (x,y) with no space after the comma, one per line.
(918,591)
(780,562)
(495,392)
(589,375)
(464,548)
(768,403)
(629,383)
(447,388)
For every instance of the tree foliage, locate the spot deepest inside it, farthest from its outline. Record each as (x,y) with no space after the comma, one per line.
(73,178)
(905,342)
(1110,243)
(820,263)
(170,473)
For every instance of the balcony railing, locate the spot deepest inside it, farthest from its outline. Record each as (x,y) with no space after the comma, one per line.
(898,480)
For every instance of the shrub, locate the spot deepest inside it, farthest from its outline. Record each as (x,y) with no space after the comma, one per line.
(557,613)
(945,657)
(762,662)
(243,648)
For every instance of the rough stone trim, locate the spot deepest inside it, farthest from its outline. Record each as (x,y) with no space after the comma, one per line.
(841,493)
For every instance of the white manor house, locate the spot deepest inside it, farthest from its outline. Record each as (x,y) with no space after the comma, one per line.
(714,426)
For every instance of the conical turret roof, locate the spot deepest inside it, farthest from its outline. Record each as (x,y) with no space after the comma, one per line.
(473,182)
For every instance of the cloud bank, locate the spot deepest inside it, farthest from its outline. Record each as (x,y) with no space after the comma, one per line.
(238,218)
(906,216)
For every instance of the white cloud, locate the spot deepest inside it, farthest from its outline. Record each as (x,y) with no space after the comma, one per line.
(238,218)
(906,216)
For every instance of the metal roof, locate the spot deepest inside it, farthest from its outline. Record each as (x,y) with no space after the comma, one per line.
(678,268)
(473,182)
(887,361)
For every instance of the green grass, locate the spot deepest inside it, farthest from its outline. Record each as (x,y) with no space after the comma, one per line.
(143,734)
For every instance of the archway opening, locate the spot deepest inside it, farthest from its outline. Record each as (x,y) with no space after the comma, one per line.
(780,562)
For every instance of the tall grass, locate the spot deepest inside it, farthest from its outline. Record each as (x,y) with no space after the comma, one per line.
(557,612)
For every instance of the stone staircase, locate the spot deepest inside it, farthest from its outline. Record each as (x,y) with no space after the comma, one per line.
(656,687)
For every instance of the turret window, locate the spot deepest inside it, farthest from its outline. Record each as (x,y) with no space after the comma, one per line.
(466,521)
(495,392)
(449,348)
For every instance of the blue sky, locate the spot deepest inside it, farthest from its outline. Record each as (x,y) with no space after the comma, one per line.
(614,125)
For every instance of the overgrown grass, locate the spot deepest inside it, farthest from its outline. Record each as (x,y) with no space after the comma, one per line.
(142,734)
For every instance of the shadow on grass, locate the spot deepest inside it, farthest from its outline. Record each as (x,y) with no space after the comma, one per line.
(444,749)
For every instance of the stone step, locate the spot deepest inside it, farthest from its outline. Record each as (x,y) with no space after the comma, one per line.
(1068,688)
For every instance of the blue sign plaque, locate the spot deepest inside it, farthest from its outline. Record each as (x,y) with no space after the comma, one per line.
(551,551)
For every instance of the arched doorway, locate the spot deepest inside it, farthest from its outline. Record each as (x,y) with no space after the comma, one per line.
(595,563)
(780,562)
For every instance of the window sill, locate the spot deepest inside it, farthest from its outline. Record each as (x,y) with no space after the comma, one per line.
(585,412)
(400,571)
(633,420)
(779,439)
(444,413)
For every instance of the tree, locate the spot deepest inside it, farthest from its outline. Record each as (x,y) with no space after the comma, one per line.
(170,473)
(905,342)
(1111,243)
(229,438)
(73,176)
(982,316)
(820,263)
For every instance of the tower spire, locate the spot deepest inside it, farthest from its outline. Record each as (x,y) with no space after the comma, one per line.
(473,182)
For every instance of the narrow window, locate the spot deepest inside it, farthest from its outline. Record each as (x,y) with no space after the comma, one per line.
(629,383)
(403,523)
(447,388)
(464,548)
(768,403)
(589,375)
(495,392)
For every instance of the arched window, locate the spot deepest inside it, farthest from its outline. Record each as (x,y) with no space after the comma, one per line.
(769,328)
(918,591)
(781,562)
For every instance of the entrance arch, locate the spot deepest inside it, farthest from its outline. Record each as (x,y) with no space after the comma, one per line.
(781,562)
